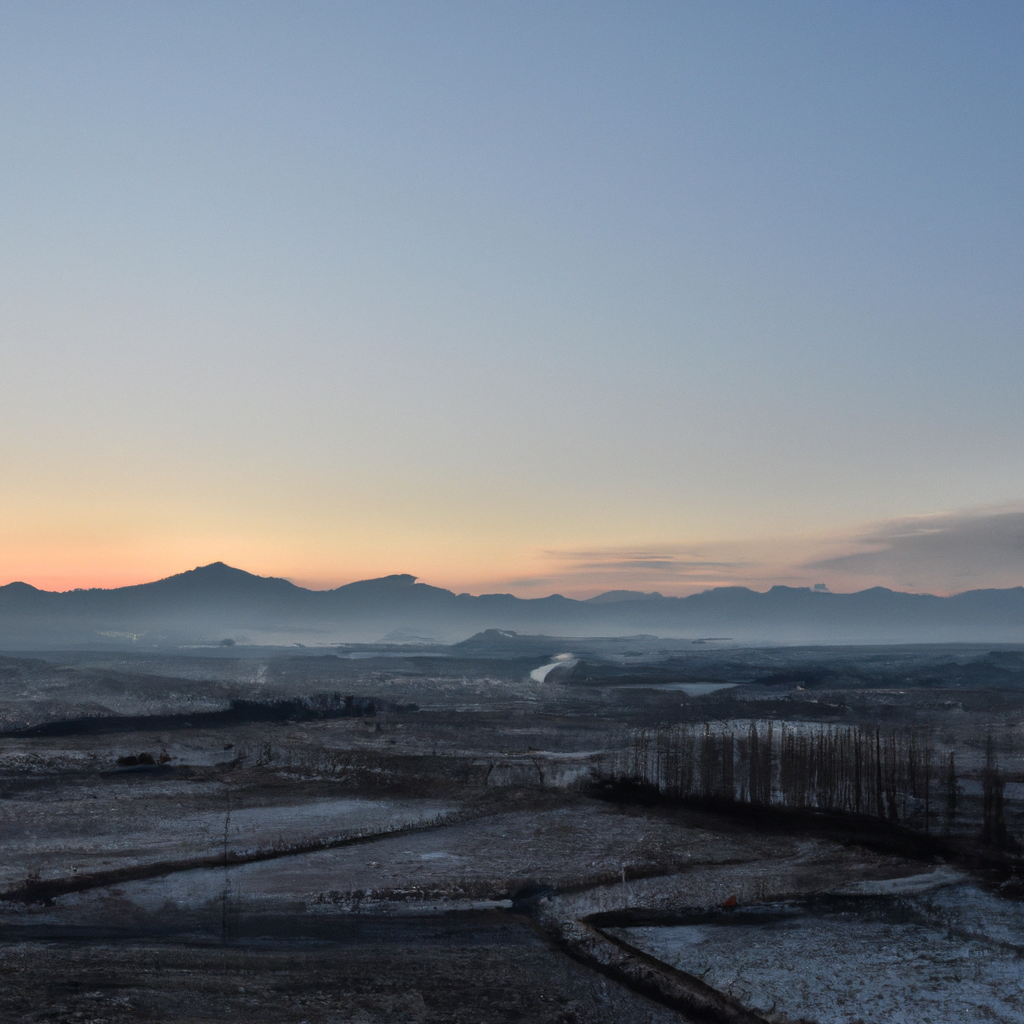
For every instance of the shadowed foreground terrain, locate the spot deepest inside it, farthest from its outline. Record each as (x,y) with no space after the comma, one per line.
(513,828)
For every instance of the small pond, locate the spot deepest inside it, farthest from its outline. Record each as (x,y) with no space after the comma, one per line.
(690,689)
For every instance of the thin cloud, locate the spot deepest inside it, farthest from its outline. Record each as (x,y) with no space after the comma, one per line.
(676,563)
(672,568)
(942,553)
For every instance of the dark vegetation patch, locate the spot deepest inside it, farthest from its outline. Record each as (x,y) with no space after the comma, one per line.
(849,671)
(321,706)
(495,974)
(10,668)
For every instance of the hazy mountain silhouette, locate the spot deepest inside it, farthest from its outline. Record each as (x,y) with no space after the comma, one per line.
(217,601)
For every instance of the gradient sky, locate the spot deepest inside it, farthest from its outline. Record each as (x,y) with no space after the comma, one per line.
(515,296)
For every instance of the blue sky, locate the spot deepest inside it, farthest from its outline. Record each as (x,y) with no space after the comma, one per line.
(505,294)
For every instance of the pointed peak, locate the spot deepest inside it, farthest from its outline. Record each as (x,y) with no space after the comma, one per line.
(217,576)
(217,569)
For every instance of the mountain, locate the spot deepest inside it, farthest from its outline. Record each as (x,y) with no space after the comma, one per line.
(217,602)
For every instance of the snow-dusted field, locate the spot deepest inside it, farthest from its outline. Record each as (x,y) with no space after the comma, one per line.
(83,835)
(456,822)
(955,954)
(483,859)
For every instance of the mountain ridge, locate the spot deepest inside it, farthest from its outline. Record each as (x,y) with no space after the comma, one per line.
(193,605)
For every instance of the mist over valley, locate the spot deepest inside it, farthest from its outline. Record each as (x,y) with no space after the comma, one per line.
(217,602)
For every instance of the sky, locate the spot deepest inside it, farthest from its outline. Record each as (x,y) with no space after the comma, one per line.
(524,297)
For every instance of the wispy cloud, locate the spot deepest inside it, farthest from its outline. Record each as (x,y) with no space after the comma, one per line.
(672,568)
(683,563)
(941,553)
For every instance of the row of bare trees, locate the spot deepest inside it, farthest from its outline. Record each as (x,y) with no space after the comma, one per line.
(897,774)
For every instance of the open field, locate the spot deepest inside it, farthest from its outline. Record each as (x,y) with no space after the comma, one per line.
(390,834)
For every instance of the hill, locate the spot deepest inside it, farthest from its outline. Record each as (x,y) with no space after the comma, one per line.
(217,602)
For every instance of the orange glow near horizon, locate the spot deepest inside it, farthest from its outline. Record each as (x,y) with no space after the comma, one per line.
(878,555)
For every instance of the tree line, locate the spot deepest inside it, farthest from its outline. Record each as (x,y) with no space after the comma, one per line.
(897,774)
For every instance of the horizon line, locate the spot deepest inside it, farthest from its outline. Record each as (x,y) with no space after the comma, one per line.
(416,580)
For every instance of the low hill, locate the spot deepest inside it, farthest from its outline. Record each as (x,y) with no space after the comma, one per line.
(217,602)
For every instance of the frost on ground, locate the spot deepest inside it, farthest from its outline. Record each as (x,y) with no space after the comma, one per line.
(395,866)
(88,829)
(924,960)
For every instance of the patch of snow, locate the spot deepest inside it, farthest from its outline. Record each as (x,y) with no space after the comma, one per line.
(905,961)
(538,675)
(909,884)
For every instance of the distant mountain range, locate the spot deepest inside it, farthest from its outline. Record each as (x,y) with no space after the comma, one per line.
(217,603)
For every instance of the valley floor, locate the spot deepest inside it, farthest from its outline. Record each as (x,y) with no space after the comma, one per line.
(461,863)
